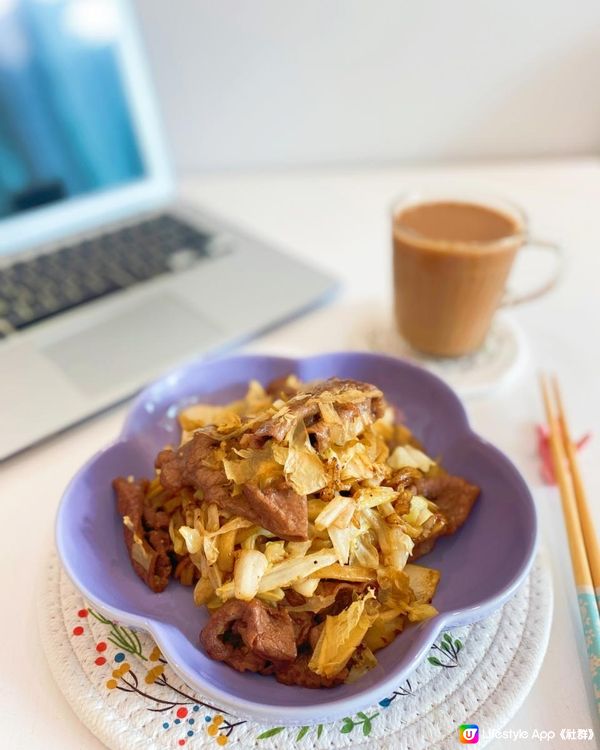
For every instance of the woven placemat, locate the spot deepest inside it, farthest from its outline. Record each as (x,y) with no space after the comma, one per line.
(120,686)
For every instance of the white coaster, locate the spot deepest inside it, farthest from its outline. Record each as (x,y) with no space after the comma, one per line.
(498,362)
(121,688)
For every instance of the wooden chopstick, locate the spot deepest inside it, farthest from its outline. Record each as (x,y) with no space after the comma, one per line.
(588,605)
(590,538)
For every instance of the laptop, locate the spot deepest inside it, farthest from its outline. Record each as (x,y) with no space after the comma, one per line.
(106,280)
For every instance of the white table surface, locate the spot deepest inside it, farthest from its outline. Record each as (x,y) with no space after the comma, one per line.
(338,219)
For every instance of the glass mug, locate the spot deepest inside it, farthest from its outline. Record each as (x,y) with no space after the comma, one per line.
(452,256)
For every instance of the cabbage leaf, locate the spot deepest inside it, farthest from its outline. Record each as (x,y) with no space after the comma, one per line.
(342,634)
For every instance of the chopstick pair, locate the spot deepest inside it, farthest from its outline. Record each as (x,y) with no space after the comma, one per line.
(583,541)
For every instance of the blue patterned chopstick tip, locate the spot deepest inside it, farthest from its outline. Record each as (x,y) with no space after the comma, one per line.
(588,608)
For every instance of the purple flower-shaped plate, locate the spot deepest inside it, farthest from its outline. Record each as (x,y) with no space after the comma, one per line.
(482,565)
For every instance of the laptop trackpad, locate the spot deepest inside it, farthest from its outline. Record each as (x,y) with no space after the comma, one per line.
(133,345)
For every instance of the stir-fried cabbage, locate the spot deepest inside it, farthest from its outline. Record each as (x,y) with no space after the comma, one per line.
(303,468)
(249,569)
(394,589)
(203,591)
(419,511)
(332,510)
(252,465)
(385,628)
(353,461)
(342,430)
(295,569)
(364,552)
(307,588)
(394,542)
(423,581)
(355,573)
(408,455)
(370,497)
(285,573)
(192,539)
(421,611)
(275,551)
(341,540)
(342,634)
(363,660)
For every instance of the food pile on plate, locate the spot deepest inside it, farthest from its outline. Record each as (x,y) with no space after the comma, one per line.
(295,514)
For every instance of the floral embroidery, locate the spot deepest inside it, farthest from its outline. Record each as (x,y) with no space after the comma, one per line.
(449,649)
(170,701)
(181,710)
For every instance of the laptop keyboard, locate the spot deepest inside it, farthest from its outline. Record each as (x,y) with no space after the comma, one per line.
(37,289)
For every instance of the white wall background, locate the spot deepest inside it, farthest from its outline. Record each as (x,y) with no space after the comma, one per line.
(247,83)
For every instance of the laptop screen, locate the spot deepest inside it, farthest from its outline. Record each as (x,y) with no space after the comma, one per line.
(65,126)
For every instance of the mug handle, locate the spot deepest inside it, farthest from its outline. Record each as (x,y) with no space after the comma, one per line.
(511,298)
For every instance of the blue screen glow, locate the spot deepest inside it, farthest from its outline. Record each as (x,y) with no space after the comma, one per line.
(65,125)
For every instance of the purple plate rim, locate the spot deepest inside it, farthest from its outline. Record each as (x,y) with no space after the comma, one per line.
(331,709)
